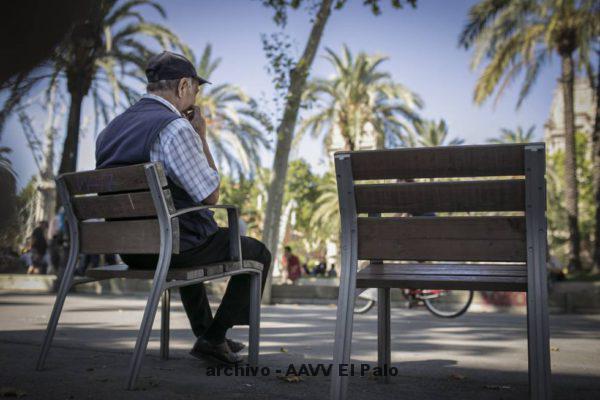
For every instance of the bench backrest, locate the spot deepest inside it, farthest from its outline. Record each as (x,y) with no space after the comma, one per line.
(481,217)
(118,210)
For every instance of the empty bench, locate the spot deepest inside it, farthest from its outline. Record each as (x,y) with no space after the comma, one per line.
(486,231)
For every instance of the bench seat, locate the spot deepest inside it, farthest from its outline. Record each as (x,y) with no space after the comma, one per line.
(510,277)
(179,274)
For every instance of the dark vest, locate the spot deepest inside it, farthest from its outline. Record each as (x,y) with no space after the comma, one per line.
(127,140)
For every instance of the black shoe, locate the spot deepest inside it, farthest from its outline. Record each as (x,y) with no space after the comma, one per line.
(218,351)
(234,346)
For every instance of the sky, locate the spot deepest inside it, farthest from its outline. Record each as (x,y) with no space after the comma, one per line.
(421,45)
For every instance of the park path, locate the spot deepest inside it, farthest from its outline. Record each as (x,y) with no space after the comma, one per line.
(478,356)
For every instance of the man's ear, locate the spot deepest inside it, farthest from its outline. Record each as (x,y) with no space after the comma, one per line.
(181,87)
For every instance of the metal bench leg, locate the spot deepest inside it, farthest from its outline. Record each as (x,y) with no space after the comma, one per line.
(145,328)
(65,284)
(384,355)
(254,321)
(539,347)
(538,333)
(165,315)
(343,341)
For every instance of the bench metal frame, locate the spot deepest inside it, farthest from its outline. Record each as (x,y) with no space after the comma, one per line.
(536,287)
(160,284)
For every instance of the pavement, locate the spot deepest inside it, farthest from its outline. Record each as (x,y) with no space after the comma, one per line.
(477,356)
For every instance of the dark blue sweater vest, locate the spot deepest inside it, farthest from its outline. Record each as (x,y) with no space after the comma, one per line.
(127,140)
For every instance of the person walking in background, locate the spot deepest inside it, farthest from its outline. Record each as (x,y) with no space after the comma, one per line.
(39,246)
(291,264)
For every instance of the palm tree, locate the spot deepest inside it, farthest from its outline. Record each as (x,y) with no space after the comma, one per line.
(518,135)
(359,97)
(516,36)
(326,218)
(234,124)
(99,54)
(430,133)
(102,55)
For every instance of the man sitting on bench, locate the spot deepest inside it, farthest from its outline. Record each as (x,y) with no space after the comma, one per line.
(166,126)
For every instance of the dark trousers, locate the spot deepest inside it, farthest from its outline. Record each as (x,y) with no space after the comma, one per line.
(235,306)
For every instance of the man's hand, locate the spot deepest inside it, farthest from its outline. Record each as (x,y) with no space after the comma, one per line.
(198,123)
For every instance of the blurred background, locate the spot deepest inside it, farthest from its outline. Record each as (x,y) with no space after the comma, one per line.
(292,84)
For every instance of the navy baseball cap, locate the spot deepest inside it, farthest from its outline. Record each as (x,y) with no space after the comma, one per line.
(168,65)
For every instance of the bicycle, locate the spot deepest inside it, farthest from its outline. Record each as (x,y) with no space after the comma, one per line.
(441,303)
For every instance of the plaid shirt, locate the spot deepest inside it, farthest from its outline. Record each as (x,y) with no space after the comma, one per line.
(179,148)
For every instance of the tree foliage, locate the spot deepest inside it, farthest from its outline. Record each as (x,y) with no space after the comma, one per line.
(517,38)
(236,128)
(358,96)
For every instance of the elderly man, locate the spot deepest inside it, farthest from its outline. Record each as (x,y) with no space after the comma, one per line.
(166,126)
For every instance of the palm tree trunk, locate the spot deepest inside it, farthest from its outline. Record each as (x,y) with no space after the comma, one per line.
(285,134)
(570,166)
(68,161)
(596,173)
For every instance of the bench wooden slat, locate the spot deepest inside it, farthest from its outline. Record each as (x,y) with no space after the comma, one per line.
(438,162)
(110,180)
(124,205)
(450,282)
(418,198)
(514,270)
(442,239)
(135,237)
(123,271)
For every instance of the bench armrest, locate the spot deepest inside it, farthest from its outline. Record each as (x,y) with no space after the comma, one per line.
(232,221)
(182,211)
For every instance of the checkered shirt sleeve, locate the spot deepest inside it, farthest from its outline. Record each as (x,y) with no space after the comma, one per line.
(179,148)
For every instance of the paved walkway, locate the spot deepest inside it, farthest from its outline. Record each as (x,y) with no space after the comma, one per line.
(478,356)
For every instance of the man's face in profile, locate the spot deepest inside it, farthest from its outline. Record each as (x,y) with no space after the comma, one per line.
(189,91)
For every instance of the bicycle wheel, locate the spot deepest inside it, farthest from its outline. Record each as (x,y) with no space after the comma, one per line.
(447,303)
(361,306)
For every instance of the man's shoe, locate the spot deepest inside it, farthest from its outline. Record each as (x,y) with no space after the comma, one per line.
(234,346)
(221,352)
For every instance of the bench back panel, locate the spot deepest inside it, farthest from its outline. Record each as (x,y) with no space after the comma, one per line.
(439,162)
(122,205)
(120,179)
(426,197)
(442,239)
(477,218)
(115,210)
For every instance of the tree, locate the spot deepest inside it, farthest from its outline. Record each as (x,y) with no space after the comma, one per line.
(596,170)
(518,135)
(298,75)
(358,97)
(430,133)
(234,124)
(98,53)
(558,233)
(521,36)
(108,46)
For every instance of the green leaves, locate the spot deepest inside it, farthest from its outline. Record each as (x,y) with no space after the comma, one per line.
(236,128)
(360,97)
(517,38)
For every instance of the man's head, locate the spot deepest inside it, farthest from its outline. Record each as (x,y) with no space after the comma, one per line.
(288,250)
(173,77)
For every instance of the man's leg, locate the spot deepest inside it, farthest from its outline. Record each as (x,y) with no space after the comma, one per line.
(197,308)
(235,306)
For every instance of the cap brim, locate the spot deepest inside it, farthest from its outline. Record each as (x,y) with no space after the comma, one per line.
(201,81)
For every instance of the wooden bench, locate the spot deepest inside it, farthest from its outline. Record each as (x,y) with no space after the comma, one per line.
(130,210)
(487,232)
